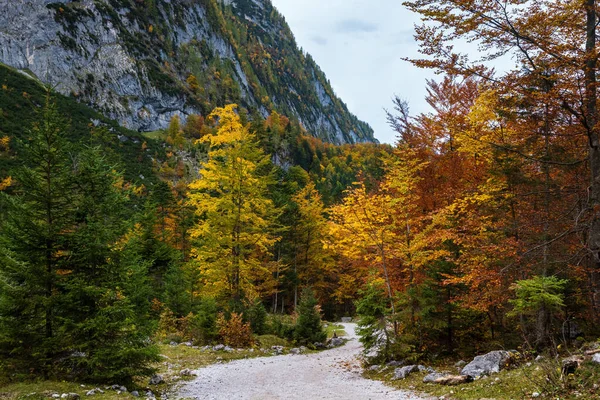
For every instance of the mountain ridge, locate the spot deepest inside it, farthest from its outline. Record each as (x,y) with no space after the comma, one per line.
(143,61)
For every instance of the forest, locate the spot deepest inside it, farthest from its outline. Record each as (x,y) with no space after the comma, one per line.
(478,229)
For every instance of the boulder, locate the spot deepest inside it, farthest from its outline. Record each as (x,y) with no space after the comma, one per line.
(434,376)
(156,380)
(318,345)
(453,380)
(460,364)
(228,349)
(219,347)
(570,365)
(596,358)
(395,363)
(423,368)
(335,342)
(404,372)
(346,319)
(70,396)
(487,364)
(277,350)
(135,393)
(186,372)
(295,351)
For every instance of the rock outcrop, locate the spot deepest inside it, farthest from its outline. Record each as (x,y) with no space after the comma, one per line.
(141,63)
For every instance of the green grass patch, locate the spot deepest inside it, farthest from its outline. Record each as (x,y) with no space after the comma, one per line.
(338,329)
(511,384)
(517,383)
(267,341)
(175,359)
(155,135)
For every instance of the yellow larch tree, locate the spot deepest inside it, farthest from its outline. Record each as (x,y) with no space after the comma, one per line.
(233,236)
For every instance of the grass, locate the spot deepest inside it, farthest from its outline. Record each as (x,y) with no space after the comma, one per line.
(338,329)
(518,383)
(155,135)
(176,358)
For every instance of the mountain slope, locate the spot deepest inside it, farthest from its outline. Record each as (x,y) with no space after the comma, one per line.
(143,61)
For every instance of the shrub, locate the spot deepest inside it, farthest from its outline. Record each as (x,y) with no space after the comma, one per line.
(203,326)
(257,316)
(234,331)
(308,328)
(282,326)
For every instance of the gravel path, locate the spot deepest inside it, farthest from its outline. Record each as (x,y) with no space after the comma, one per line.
(331,374)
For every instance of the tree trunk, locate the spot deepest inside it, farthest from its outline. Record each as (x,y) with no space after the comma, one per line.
(591,119)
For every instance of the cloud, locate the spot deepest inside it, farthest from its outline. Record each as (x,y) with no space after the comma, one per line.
(320,40)
(355,26)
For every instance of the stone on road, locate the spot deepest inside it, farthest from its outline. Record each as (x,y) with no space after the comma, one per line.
(332,374)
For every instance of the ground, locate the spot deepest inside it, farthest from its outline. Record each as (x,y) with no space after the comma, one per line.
(333,374)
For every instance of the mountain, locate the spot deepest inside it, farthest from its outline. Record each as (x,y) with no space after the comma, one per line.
(141,62)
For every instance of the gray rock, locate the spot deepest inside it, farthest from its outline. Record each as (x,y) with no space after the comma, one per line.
(375,367)
(423,368)
(596,358)
(540,358)
(295,351)
(219,347)
(571,364)
(453,380)
(135,393)
(75,54)
(319,345)
(94,392)
(346,319)
(156,380)
(403,372)
(186,372)
(395,363)
(335,342)
(277,350)
(70,396)
(460,364)
(487,364)
(228,349)
(432,377)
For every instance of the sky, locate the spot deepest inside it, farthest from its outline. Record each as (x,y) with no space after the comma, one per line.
(359,45)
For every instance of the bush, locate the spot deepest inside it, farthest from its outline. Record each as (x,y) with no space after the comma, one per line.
(308,328)
(203,326)
(282,326)
(234,332)
(257,316)
(374,327)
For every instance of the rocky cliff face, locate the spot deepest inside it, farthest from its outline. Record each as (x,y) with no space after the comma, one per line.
(143,61)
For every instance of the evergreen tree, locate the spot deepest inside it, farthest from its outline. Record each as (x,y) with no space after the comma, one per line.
(308,328)
(105,281)
(32,250)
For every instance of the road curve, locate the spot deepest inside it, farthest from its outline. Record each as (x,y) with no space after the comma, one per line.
(333,374)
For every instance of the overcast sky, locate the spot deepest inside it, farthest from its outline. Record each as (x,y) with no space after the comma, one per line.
(359,45)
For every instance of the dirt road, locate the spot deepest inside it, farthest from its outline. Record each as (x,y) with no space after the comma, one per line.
(332,374)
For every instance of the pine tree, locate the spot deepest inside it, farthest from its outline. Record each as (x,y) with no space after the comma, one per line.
(308,329)
(33,232)
(105,305)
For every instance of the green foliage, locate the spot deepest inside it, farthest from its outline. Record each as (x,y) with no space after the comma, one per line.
(256,314)
(204,324)
(73,287)
(374,325)
(308,329)
(537,292)
(282,326)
